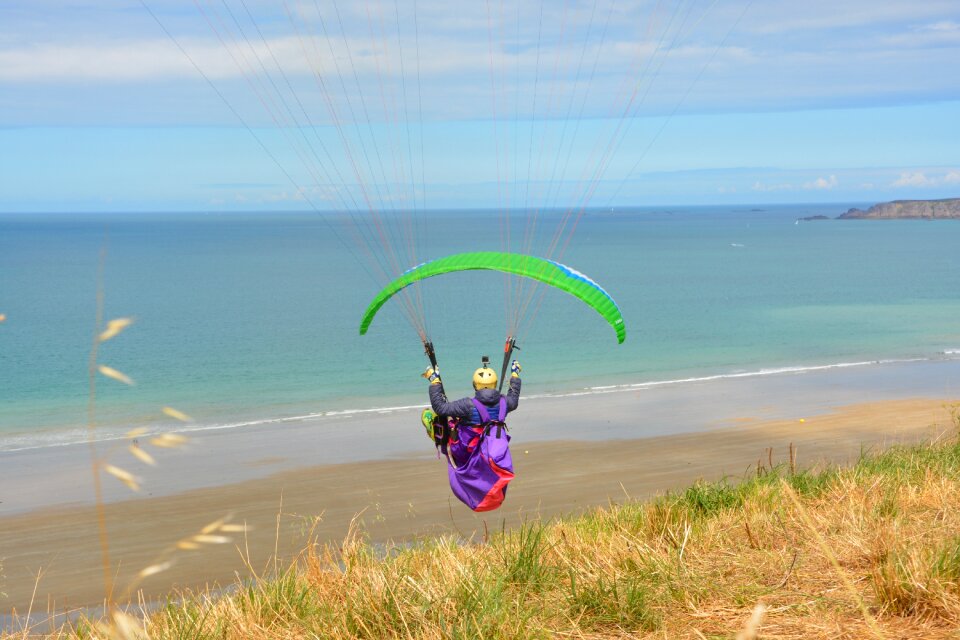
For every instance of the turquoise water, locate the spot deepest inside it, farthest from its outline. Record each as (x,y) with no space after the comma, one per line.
(250,318)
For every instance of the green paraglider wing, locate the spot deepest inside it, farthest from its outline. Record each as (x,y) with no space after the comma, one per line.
(546,271)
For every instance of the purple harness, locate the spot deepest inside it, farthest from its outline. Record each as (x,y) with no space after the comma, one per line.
(478,462)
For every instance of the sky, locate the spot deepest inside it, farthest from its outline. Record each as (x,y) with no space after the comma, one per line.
(238,105)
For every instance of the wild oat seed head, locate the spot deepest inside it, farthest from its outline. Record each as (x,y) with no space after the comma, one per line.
(154,569)
(142,455)
(177,415)
(114,327)
(168,440)
(213,526)
(126,627)
(123,476)
(752,627)
(234,528)
(110,372)
(210,539)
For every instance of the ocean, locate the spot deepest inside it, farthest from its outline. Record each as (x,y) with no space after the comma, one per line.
(245,319)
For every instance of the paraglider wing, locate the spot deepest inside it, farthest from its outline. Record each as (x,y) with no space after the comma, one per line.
(546,271)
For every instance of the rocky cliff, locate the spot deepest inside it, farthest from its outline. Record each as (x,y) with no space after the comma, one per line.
(930,209)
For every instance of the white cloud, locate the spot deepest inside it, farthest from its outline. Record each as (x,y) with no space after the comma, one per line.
(440,55)
(913,179)
(942,33)
(822,183)
(942,26)
(925,178)
(62,62)
(151,59)
(673,60)
(452,40)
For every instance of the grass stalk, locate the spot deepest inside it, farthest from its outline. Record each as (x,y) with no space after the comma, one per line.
(95,461)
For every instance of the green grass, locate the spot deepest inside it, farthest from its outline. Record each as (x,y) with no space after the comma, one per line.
(610,603)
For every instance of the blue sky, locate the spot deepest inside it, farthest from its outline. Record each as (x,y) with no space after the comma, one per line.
(241,105)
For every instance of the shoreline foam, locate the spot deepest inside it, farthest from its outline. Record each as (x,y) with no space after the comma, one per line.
(79,436)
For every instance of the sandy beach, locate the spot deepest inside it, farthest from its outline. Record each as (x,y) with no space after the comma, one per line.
(51,554)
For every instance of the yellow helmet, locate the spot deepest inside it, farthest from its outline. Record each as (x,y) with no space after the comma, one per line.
(484,378)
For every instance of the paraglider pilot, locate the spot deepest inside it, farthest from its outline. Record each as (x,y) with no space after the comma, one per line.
(475,436)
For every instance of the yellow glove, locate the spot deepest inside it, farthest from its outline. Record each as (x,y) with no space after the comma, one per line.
(515,369)
(431,374)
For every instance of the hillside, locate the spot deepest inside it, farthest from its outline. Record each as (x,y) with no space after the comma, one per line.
(898,209)
(866,551)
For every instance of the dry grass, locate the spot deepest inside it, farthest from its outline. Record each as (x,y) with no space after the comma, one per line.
(867,551)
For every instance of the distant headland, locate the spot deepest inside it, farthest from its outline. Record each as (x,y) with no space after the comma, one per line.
(903,209)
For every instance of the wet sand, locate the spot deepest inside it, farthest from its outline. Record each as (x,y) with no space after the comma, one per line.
(55,550)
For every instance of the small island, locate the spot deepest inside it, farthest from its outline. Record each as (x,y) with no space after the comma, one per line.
(946,209)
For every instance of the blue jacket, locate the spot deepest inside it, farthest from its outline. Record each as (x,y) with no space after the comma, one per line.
(464,409)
